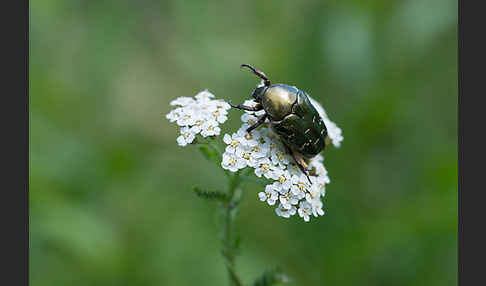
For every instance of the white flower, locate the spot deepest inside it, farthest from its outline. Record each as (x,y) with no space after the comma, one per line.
(294,170)
(210,128)
(300,185)
(218,111)
(201,115)
(319,184)
(284,179)
(182,101)
(249,119)
(288,200)
(174,114)
(313,193)
(235,142)
(197,125)
(186,137)
(270,195)
(317,166)
(264,167)
(204,96)
(219,116)
(333,131)
(316,207)
(305,210)
(279,156)
(222,105)
(286,213)
(188,117)
(246,154)
(232,162)
(252,138)
(260,150)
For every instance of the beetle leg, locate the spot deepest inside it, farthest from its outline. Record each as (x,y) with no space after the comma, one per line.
(299,164)
(257,107)
(259,122)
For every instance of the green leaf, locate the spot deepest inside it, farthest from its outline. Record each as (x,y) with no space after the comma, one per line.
(211,195)
(210,154)
(271,277)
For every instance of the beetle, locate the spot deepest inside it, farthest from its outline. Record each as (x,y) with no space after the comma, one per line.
(292,116)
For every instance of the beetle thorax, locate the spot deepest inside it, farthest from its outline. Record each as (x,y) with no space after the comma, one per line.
(278,101)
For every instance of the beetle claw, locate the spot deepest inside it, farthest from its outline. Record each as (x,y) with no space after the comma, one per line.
(307,175)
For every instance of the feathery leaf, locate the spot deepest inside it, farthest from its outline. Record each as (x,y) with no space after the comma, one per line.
(211,195)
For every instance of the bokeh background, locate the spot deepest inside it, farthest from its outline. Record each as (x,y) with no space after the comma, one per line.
(110,190)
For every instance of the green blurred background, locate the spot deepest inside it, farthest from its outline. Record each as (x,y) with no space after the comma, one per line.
(110,190)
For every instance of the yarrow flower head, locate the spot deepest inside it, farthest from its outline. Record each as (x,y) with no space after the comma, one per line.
(198,115)
(288,188)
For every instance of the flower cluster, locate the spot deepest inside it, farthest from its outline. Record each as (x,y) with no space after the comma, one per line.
(199,115)
(288,189)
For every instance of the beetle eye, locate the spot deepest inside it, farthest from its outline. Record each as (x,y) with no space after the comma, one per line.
(257,92)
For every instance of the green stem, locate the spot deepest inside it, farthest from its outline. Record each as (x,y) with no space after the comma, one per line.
(229,211)
(228,240)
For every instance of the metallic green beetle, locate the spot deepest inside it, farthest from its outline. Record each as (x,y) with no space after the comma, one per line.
(292,116)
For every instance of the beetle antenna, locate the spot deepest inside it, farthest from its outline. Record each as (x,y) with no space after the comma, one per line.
(260,74)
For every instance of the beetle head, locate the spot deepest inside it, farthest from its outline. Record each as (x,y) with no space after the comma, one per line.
(258,92)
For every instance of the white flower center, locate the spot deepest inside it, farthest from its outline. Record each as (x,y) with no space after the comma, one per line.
(265,167)
(301,186)
(234,143)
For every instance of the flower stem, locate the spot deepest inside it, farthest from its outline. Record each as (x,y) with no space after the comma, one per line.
(229,242)
(229,212)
